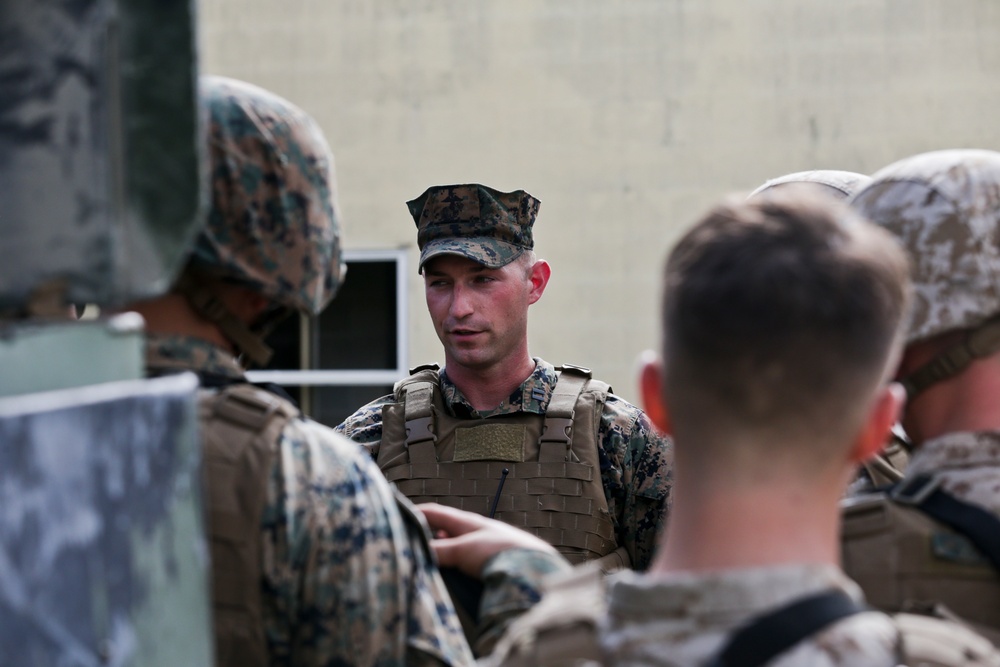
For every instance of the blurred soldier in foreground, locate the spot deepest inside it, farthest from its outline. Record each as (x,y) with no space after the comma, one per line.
(496,431)
(761,298)
(315,561)
(932,543)
(887,466)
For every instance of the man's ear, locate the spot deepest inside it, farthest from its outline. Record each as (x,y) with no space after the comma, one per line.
(539,278)
(875,432)
(651,389)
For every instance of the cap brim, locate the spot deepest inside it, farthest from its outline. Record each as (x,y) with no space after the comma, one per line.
(483,250)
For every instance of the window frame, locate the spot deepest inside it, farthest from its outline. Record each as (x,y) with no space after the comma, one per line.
(307,377)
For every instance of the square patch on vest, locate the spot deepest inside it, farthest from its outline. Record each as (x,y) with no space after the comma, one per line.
(490,442)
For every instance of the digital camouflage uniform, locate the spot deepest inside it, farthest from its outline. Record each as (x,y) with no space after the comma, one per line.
(346,579)
(494,228)
(945,209)
(346,576)
(635,460)
(685,620)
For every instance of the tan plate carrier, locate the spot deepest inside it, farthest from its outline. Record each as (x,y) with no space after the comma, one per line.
(553,486)
(906,561)
(240,428)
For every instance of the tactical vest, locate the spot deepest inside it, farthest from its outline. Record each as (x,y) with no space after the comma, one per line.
(540,473)
(888,466)
(906,561)
(240,429)
(564,630)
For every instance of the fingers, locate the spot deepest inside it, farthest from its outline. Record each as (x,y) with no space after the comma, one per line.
(449,553)
(451,521)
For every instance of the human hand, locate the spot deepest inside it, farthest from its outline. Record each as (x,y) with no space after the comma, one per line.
(466,541)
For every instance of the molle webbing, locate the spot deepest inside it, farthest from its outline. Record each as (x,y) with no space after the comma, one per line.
(553,486)
(240,429)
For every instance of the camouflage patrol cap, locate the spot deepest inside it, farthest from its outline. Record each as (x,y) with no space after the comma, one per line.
(474,221)
(944,207)
(840,184)
(273,223)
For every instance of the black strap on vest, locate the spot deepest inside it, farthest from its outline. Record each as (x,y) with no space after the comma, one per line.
(217,381)
(979,526)
(769,635)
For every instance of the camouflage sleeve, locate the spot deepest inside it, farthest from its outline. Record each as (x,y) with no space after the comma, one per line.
(365,426)
(512,585)
(347,580)
(637,472)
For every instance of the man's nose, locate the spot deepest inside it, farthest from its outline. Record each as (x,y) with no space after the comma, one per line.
(461,302)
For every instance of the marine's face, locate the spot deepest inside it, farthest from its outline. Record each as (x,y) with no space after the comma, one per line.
(480,314)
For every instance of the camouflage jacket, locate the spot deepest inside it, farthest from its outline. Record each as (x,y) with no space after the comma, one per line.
(347,581)
(968,465)
(684,619)
(636,462)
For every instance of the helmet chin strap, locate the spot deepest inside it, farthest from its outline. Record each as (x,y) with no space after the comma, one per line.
(206,304)
(979,343)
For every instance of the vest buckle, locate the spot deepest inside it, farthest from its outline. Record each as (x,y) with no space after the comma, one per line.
(419,429)
(557,429)
(914,491)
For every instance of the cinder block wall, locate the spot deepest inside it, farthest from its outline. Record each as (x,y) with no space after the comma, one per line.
(626,118)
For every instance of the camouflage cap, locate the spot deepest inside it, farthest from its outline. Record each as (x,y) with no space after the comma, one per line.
(474,221)
(273,223)
(944,207)
(840,184)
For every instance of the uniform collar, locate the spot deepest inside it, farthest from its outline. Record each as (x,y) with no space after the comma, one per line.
(532,395)
(172,353)
(954,451)
(732,593)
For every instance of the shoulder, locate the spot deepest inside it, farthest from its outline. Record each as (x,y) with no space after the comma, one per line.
(366,422)
(934,642)
(325,472)
(561,629)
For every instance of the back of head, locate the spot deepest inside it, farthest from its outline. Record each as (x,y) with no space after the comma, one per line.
(832,182)
(944,207)
(273,224)
(781,315)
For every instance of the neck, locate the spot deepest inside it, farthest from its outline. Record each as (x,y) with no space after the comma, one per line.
(963,403)
(721,523)
(170,315)
(486,388)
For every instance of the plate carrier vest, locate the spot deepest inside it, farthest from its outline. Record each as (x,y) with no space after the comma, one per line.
(539,473)
(240,428)
(904,560)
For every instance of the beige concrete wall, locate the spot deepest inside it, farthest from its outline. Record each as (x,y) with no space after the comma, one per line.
(626,118)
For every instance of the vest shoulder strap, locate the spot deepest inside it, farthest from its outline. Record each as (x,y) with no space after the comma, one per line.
(979,526)
(416,393)
(771,634)
(558,425)
(933,642)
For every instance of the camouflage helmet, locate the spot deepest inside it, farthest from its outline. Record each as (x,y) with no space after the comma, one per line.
(944,207)
(273,223)
(840,184)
